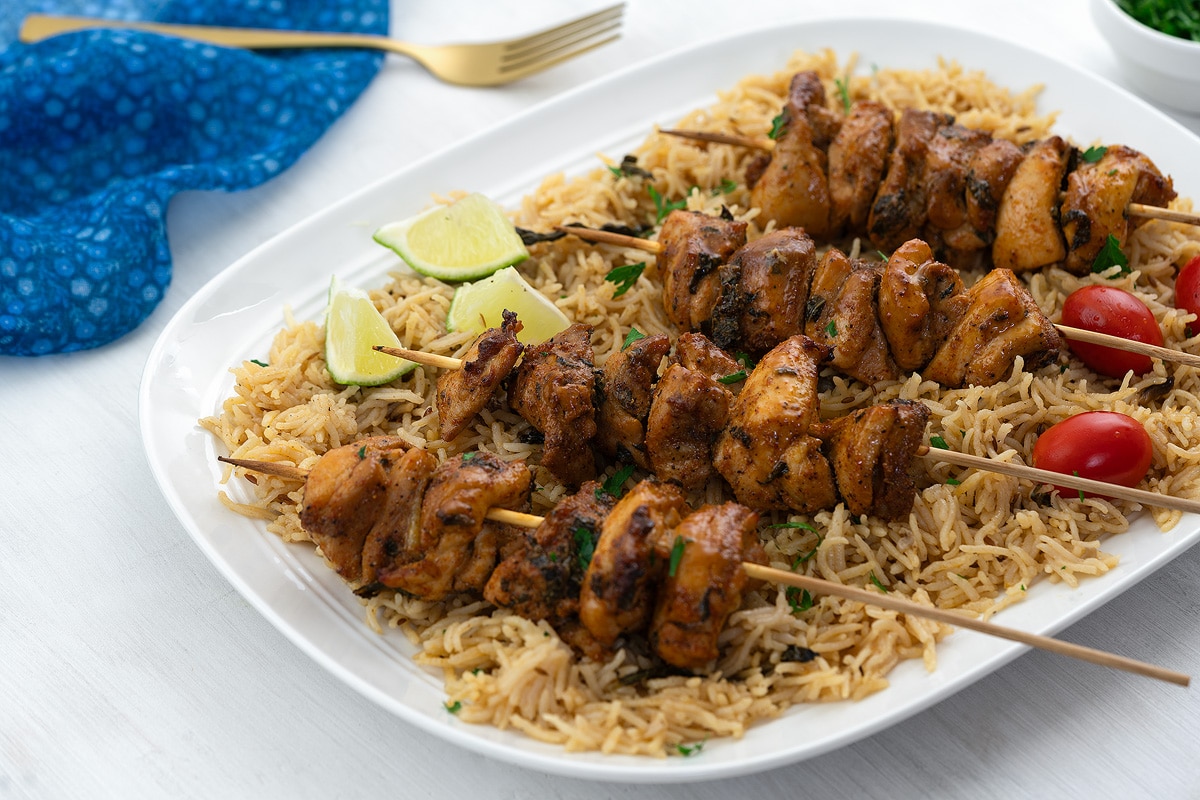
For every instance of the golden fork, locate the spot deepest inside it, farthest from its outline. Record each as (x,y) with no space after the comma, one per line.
(484,64)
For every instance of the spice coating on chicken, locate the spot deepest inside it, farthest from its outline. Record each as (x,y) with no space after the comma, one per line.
(1098,194)
(873,452)
(900,208)
(694,247)
(766,453)
(394,538)
(920,301)
(1001,321)
(704,582)
(948,227)
(773,274)
(458,547)
(858,156)
(342,497)
(618,588)
(627,385)
(698,353)
(843,314)
(988,175)
(793,189)
(462,393)
(1027,223)
(554,389)
(688,411)
(543,576)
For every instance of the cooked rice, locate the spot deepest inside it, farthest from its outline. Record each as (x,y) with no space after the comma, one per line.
(976,545)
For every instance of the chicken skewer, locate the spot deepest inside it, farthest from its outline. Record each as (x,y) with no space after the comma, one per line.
(1039,476)
(1070,332)
(673,629)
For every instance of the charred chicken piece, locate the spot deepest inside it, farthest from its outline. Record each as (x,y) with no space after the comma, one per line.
(946,167)
(920,301)
(900,208)
(1027,224)
(627,384)
(766,452)
(694,247)
(873,452)
(706,586)
(457,548)
(462,393)
(698,353)
(988,175)
(1097,196)
(395,537)
(858,156)
(342,499)
(541,579)
(554,389)
(1001,321)
(689,409)
(618,588)
(793,189)
(843,314)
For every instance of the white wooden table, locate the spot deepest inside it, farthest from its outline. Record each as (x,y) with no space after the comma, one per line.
(130,668)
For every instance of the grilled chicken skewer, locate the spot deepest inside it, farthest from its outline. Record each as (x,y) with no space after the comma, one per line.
(656,566)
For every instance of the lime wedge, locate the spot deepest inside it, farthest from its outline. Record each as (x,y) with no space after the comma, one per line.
(468,239)
(480,305)
(352,327)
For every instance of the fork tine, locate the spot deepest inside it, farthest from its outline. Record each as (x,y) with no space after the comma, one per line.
(551,50)
(516,48)
(525,68)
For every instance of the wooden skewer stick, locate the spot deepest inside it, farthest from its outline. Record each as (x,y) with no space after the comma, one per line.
(1074,334)
(768,145)
(841,590)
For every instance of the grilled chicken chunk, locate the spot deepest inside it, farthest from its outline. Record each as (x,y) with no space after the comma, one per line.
(920,301)
(872,452)
(1001,321)
(554,389)
(698,353)
(858,156)
(707,582)
(1098,194)
(988,175)
(457,547)
(793,189)
(618,588)
(627,385)
(766,453)
(342,499)
(395,537)
(688,410)
(773,274)
(462,393)
(900,208)
(949,160)
(694,247)
(541,579)
(842,313)
(1027,223)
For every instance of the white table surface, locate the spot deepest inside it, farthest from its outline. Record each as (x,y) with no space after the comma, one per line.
(130,668)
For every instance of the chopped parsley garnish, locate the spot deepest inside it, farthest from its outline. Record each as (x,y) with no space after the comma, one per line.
(1173,17)
(831,328)
(879,585)
(805,557)
(687,750)
(843,88)
(744,359)
(260,363)
(953,482)
(1111,256)
(613,483)
(882,255)
(777,126)
(1075,472)
(362,452)
(938,442)
(585,547)
(676,555)
(727,187)
(798,599)
(803,525)
(733,377)
(1093,154)
(625,277)
(468,456)
(631,337)
(662,207)
(454,707)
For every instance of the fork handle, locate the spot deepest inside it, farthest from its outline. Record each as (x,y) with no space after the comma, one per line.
(42,26)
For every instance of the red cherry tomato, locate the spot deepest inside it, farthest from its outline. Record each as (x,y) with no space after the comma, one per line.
(1101,445)
(1187,287)
(1107,309)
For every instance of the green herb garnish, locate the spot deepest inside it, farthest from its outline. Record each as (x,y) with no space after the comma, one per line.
(662,207)
(1093,154)
(805,557)
(454,707)
(468,456)
(686,750)
(1179,18)
(831,328)
(798,599)
(1075,472)
(585,547)
(843,87)
(938,442)
(362,452)
(260,363)
(879,585)
(613,483)
(733,377)
(727,187)
(631,337)
(777,126)
(625,277)
(953,482)
(676,555)
(1111,256)
(803,525)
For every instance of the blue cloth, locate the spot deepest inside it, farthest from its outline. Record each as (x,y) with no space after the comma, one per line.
(98,129)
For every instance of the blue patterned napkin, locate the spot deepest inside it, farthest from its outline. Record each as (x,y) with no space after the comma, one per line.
(99,129)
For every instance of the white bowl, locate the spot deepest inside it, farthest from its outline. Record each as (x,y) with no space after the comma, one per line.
(1163,68)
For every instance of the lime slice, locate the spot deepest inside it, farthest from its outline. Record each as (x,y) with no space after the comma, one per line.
(480,305)
(352,327)
(468,239)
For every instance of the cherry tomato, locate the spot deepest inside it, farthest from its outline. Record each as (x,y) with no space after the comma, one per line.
(1107,309)
(1187,287)
(1101,445)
